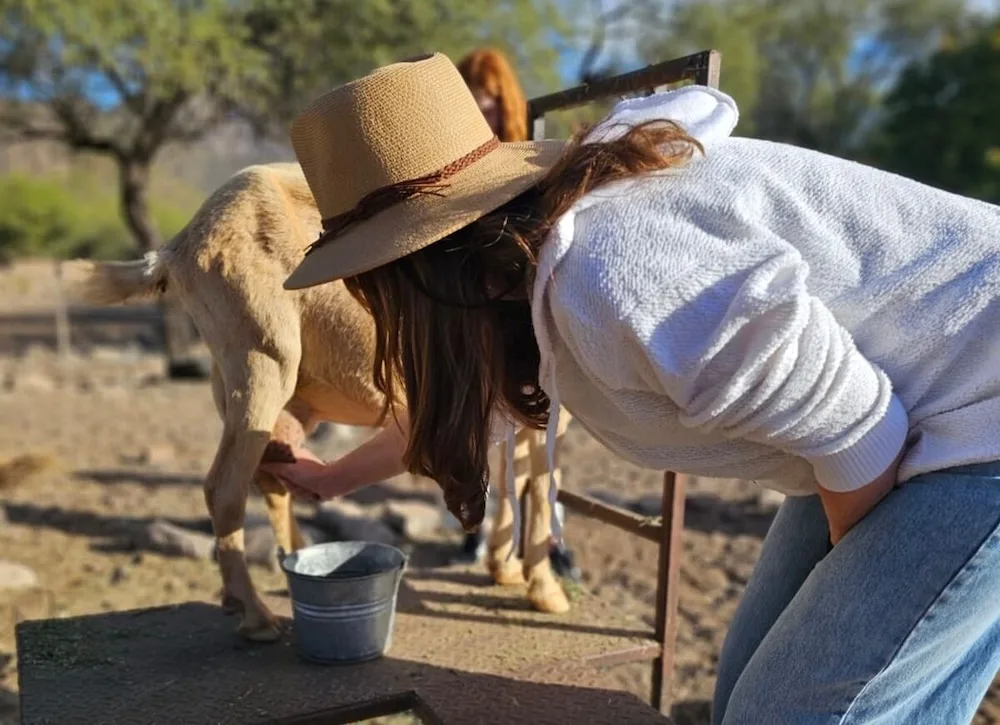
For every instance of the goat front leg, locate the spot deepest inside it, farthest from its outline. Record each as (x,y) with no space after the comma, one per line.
(502,557)
(255,394)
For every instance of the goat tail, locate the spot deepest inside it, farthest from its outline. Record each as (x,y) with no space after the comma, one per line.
(109,283)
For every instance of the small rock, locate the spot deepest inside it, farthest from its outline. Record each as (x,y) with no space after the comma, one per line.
(712,580)
(167,538)
(313,534)
(260,545)
(26,469)
(157,455)
(413,519)
(118,575)
(348,521)
(14,576)
(36,603)
(34,382)
(107,353)
(648,506)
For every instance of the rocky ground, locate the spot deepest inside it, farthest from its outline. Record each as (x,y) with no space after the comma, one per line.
(100,457)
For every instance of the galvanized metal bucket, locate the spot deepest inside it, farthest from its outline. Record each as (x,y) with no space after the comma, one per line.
(343,599)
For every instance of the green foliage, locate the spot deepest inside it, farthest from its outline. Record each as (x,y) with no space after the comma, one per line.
(154,57)
(941,121)
(44,217)
(314,45)
(809,73)
(176,65)
(126,77)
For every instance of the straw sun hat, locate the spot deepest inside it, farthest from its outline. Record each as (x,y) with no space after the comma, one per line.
(399,159)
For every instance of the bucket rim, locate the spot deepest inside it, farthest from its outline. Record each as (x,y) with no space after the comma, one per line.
(284,557)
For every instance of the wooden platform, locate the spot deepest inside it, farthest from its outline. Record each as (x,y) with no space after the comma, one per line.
(463,652)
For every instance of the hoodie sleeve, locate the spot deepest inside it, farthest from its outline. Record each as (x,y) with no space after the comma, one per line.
(727,329)
(706,113)
(772,365)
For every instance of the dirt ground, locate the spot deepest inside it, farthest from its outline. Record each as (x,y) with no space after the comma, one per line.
(126,446)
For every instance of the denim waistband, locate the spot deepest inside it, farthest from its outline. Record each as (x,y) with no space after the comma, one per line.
(989,469)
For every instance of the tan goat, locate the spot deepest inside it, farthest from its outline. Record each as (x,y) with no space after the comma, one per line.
(284,361)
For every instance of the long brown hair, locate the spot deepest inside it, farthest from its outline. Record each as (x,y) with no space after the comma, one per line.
(489,71)
(453,322)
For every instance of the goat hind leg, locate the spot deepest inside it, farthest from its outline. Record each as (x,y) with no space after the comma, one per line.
(544,590)
(502,557)
(230,604)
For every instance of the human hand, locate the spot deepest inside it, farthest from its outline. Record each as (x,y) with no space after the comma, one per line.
(845,509)
(305,476)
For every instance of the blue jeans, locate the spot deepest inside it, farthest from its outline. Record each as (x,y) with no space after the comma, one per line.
(899,623)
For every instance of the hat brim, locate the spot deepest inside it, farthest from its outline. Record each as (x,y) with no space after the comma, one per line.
(418,222)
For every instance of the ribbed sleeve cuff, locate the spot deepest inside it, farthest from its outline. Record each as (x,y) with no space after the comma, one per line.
(854,467)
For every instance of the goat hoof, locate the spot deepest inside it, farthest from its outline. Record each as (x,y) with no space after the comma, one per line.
(259,625)
(507,573)
(268,630)
(548,596)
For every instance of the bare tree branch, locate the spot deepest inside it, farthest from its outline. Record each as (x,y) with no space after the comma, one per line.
(157,122)
(80,133)
(603,19)
(598,36)
(190,127)
(69,128)
(98,57)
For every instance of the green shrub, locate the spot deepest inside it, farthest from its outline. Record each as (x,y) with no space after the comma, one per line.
(79,217)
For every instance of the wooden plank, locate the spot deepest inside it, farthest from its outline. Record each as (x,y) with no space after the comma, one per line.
(406,702)
(668,588)
(455,632)
(648,527)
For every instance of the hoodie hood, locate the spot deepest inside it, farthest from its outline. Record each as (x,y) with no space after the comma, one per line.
(708,115)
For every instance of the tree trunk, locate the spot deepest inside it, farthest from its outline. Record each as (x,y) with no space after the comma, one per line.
(177,328)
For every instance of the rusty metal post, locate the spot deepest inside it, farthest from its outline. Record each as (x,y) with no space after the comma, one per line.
(668,589)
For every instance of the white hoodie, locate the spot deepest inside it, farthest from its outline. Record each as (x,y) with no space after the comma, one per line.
(772,313)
